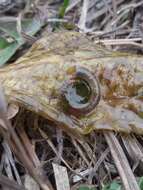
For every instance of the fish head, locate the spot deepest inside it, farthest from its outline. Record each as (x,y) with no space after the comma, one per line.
(80,86)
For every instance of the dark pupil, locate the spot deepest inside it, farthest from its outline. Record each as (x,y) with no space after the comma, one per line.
(79,92)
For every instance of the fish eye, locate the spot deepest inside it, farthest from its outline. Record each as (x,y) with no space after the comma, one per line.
(81,93)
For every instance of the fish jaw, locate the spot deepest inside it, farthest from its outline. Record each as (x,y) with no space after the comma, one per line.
(36,79)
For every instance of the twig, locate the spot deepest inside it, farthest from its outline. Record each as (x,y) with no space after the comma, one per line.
(132,41)
(101,12)
(28,146)
(45,136)
(10,158)
(4,181)
(117,29)
(101,159)
(121,162)
(114,3)
(72,5)
(7,167)
(19,148)
(88,151)
(83,17)
(130,6)
(80,151)
(61,177)
(59,133)
(133,148)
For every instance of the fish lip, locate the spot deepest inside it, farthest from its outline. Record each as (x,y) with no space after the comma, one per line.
(58,117)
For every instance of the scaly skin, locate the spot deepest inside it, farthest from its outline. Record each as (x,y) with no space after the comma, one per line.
(35,80)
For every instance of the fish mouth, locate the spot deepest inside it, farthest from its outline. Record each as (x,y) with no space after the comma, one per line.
(104,117)
(77,127)
(65,122)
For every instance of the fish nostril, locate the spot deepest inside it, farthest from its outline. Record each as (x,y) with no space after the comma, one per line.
(81,93)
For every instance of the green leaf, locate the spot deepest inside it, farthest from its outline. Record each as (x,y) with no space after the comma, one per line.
(83,188)
(141,183)
(113,186)
(3,43)
(63,8)
(9,28)
(86,188)
(7,52)
(30,27)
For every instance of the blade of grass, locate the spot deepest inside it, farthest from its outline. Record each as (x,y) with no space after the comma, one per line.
(63,8)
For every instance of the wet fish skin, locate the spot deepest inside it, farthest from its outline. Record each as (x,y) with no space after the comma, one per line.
(35,80)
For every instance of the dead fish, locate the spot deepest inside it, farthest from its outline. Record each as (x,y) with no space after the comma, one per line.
(80,86)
